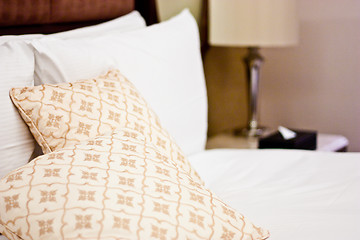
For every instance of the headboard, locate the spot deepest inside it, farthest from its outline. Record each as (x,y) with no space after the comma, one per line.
(49,16)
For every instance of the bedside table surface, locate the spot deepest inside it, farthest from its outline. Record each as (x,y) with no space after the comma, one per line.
(331,142)
(325,142)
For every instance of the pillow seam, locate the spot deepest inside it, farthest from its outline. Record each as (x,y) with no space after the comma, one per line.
(10,230)
(21,110)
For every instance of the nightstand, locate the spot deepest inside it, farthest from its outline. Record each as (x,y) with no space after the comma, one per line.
(325,142)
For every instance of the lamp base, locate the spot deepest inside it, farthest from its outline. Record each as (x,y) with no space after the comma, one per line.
(249,132)
(253,62)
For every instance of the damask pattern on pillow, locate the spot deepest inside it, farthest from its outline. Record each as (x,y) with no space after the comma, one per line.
(60,116)
(115,186)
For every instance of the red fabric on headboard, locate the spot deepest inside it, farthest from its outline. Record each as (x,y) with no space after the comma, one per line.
(30,12)
(17,12)
(88,10)
(50,16)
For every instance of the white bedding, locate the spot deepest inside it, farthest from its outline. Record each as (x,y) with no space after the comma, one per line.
(295,194)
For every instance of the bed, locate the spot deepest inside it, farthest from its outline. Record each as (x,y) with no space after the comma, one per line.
(104,130)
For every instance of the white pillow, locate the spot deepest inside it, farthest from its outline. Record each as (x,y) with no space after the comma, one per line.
(163,61)
(128,22)
(16,141)
(17,70)
(124,23)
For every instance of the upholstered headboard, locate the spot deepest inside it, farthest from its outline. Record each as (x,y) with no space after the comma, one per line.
(49,16)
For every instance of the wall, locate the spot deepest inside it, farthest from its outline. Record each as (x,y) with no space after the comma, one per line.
(168,8)
(315,85)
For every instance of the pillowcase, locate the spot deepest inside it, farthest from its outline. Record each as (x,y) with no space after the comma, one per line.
(62,115)
(163,61)
(124,23)
(114,187)
(17,70)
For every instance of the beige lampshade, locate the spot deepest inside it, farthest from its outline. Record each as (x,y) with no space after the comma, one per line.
(258,23)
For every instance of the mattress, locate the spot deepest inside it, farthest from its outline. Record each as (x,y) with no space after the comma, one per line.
(295,194)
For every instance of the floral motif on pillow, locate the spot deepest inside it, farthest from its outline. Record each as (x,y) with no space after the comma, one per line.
(60,116)
(114,186)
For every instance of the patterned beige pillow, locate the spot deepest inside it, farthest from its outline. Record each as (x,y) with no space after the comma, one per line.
(62,115)
(114,187)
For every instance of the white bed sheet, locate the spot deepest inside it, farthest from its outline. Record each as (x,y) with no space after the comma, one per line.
(298,195)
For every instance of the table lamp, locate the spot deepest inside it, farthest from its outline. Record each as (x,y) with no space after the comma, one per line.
(253,24)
